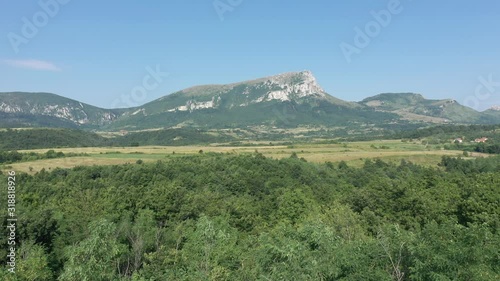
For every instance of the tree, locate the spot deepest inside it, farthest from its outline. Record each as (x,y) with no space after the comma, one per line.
(142,236)
(96,257)
(209,253)
(33,263)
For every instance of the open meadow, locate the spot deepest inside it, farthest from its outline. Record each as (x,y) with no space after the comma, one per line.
(353,153)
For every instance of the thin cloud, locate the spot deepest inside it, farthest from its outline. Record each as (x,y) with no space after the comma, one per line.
(33,64)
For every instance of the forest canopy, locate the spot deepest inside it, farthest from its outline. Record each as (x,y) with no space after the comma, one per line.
(227,217)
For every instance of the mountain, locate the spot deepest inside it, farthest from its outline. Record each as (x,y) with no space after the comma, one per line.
(415,107)
(18,109)
(493,112)
(284,100)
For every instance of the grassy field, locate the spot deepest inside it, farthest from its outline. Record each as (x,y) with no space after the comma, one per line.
(354,153)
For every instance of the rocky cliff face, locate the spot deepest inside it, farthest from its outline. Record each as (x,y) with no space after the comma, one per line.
(78,115)
(293,86)
(50,105)
(289,86)
(288,99)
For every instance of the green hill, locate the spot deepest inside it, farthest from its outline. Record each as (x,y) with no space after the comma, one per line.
(48,138)
(415,107)
(19,109)
(284,101)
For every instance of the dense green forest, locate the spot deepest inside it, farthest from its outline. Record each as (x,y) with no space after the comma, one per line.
(9,157)
(55,138)
(48,138)
(490,147)
(451,131)
(438,134)
(225,217)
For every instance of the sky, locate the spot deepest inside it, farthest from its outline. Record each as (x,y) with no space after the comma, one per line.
(120,53)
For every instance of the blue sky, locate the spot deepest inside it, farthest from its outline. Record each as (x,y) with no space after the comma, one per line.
(99,51)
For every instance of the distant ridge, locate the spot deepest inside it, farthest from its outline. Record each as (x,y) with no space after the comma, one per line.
(281,101)
(413,106)
(31,109)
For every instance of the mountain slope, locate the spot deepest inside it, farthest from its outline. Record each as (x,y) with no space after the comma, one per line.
(18,109)
(283,100)
(415,107)
(493,112)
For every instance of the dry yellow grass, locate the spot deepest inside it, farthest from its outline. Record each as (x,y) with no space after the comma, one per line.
(353,153)
(70,162)
(156,149)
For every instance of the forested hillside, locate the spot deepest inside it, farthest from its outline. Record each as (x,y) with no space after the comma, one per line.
(22,139)
(55,138)
(226,217)
(48,138)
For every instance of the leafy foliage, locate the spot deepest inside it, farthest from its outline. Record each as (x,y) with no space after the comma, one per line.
(9,157)
(224,217)
(48,138)
(52,138)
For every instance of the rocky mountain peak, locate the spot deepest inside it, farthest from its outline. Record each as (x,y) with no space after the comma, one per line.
(294,77)
(284,87)
(297,84)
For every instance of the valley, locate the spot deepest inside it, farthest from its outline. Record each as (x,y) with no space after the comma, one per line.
(267,179)
(352,153)
(232,140)
(283,101)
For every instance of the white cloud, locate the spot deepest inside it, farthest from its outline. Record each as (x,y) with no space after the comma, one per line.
(33,64)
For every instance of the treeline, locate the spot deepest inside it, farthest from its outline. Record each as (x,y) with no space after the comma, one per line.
(9,157)
(491,147)
(226,217)
(436,134)
(177,137)
(480,165)
(57,138)
(444,137)
(449,131)
(48,138)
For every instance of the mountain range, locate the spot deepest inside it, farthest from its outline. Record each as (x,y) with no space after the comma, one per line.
(286,100)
